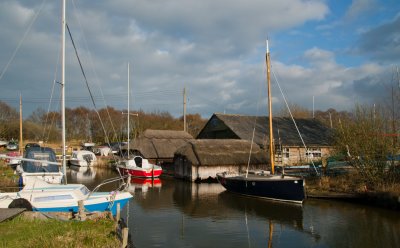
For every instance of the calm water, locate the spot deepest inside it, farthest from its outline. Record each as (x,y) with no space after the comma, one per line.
(173,213)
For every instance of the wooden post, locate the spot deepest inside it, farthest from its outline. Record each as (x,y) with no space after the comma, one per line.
(81,211)
(118,212)
(125,234)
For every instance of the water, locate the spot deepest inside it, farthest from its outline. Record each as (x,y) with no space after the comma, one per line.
(173,213)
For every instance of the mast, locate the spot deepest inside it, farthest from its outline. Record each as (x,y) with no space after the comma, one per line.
(20,125)
(128,108)
(271,138)
(63,23)
(184,109)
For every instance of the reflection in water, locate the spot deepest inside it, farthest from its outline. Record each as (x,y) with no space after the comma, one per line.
(143,184)
(83,174)
(183,214)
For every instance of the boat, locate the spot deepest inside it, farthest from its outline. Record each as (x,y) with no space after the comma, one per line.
(14,159)
(265,184)
(83,158)
(137,166)
(39,195)
(39,163)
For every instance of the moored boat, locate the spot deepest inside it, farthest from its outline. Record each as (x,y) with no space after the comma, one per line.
(39,163)
(262,184)
(271,187)
(44,197)
(139,167)
(83,158)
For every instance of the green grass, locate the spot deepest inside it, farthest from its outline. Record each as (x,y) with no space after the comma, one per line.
(20,232)
(7,176)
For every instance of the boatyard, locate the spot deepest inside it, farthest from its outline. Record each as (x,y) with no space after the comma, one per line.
(199,123)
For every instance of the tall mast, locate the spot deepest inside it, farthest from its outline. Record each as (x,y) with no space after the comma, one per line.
(20,125)
(63,23)
(128,108)
(184,109)
(271,137)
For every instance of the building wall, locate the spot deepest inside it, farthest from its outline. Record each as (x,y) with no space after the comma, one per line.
(185,170)
(298,156)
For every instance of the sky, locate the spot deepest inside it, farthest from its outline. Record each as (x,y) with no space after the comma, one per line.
(324,54)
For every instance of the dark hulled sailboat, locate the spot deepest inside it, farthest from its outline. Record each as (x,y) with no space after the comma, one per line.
(262,184)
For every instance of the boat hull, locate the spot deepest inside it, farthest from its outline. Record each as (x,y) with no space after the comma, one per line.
(99,202)
(288,189)
(139,172)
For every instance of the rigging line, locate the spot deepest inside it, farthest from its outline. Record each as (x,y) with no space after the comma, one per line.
(48,107)
(93,67)
(51,95)
(87,85)
(295,124)
(254,129)
(22,40)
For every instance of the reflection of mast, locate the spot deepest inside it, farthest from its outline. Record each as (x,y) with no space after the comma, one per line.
(271,230)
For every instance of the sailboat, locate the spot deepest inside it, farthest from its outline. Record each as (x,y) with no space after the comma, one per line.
(266,184)
(137,166)
(38,195)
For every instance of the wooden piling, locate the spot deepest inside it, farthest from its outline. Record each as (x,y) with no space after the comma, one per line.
(125,234)
(118,216)
(81,210)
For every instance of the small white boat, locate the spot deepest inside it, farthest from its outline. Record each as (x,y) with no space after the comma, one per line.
(139,167)
(39,163)
(44,197)
(83,158)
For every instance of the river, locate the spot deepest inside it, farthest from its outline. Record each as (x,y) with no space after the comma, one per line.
(174,213)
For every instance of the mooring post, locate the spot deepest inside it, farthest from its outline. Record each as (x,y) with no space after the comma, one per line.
(125,233)
(81,210)
(118,212)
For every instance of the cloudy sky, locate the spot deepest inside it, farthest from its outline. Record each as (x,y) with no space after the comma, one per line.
(338,52)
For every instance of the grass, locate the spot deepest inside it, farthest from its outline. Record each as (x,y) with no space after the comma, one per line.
(7,176)
(21,232)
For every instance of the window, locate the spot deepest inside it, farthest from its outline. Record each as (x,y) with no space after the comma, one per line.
(285,152)
(52,198)
(314,153)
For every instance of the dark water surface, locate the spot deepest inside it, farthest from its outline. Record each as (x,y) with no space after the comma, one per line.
(173,213)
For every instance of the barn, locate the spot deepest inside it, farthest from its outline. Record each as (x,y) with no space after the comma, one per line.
(315,143)
(202,159)
(159,146)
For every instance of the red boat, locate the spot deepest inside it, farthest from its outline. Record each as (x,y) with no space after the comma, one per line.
(139,167)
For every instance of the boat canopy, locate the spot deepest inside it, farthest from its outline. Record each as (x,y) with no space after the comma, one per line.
(40,153)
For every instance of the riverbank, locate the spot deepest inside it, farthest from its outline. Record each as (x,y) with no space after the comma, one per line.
(346,188)
(23,231)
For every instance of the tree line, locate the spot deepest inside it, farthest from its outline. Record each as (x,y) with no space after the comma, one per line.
(83,124)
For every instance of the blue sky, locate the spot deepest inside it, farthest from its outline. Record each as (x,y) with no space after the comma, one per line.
(341,53)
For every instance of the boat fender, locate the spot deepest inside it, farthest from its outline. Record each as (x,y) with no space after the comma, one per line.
(20,182)
(21,203)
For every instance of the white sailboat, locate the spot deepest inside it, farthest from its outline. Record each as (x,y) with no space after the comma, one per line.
(137,166)
(39,195)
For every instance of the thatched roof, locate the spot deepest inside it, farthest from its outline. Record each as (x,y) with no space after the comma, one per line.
(208,152)
(165,134)
(313,132)
(156,144)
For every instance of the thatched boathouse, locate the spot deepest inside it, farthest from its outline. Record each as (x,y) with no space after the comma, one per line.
(159,146)
(289,148)
(202,159)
